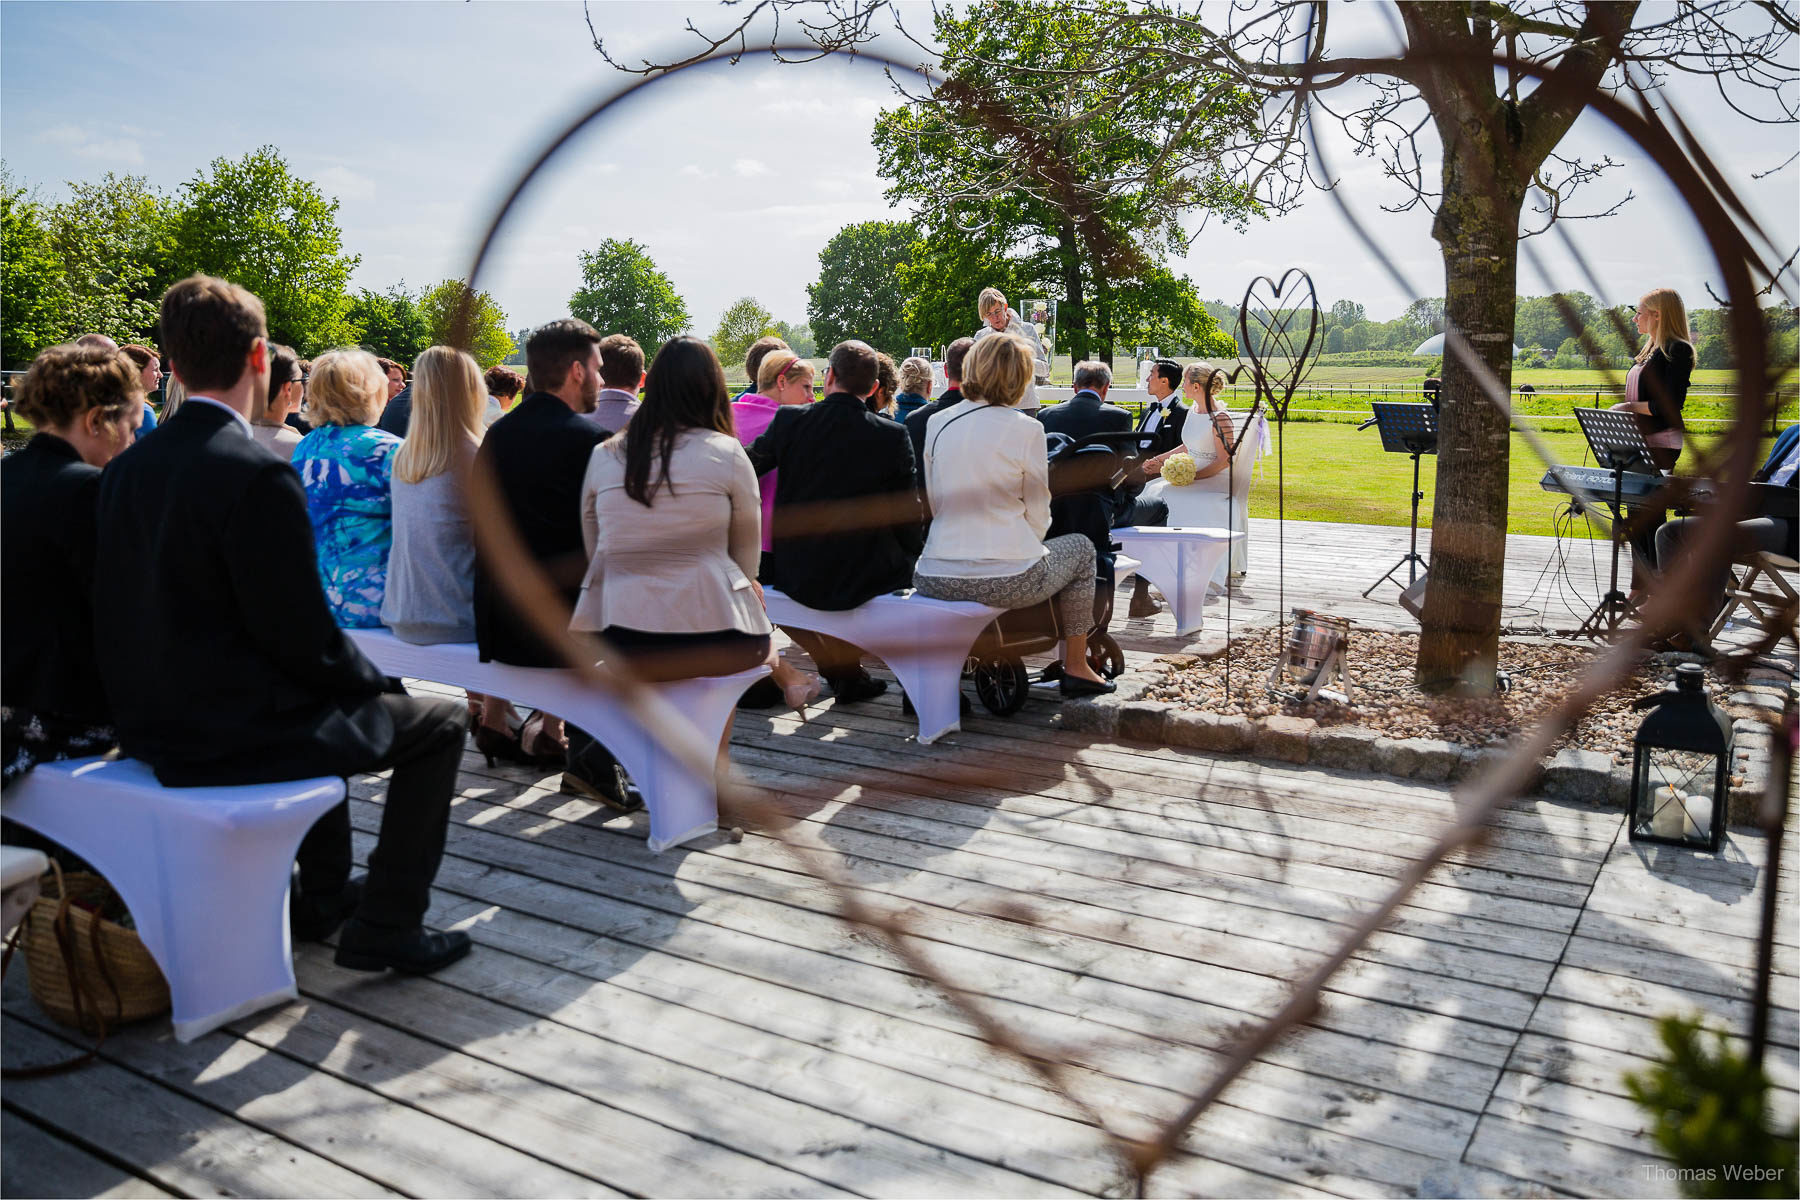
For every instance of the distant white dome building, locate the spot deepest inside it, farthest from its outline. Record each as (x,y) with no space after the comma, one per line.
(1434,345)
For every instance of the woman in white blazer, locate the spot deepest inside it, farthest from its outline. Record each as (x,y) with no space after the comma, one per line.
(987,473)
(673,523)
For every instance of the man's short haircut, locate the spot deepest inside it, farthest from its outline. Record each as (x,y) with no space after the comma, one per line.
(759,350)
(621,362)
(208,327)
(348,387)
(915,376)
(954,354)
(1092,375)
(854,363)
(990,296)
(64,382)
(1170,370)
(142,356)
(1000,370)
(503,381)
(552,349)
(97,339)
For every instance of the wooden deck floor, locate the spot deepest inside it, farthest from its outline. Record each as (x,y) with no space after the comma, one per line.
(703,1023)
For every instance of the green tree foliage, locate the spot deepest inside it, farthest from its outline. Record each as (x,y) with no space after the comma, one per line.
(941,279)
(742,323)
(1710,1111)
(858,294)
(1346,313)
(254,222)
(112,238)
(1067,173)
(487,340)
(389,323)
(33,294)
(622,291)
(798,337)
(1334,341)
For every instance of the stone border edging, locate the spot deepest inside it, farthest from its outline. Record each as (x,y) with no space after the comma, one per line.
(1588,776)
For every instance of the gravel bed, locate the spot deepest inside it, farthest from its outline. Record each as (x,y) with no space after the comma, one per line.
(1385,700)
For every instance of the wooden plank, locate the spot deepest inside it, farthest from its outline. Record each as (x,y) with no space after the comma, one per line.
(1568,1163)
(1582,1031)
(1656,942)
(1651,998)
(593,1139)
(547,967)
(840,1151)
(39,1163)
(1017,961)
(182,1145)
(1592,1070)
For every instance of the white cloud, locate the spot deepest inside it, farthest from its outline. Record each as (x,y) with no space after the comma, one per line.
(87,143)
(696,172)
(749,168)
(345,184)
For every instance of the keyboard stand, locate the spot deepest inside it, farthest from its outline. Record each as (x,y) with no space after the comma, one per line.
(1618,445)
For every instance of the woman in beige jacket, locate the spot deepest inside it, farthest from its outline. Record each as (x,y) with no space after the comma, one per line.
(673,523)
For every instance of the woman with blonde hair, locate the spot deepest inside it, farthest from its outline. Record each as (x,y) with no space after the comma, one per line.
(915,388)
(1656,390)
(987,472)
(346,465)
(430,594)
(998,320)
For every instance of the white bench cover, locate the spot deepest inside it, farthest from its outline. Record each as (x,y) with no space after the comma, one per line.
(1180,562)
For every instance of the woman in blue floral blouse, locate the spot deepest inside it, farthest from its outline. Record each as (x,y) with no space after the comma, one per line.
(347,466)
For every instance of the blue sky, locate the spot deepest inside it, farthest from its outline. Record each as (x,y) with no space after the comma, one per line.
(417,115)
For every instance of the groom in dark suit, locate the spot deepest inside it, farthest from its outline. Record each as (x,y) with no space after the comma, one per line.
(1164,418)
(242,676)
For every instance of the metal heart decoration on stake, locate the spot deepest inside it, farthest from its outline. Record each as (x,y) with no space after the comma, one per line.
(1280,329)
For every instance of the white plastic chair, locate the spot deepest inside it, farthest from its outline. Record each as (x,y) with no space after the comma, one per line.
(923,641)
(204,872)
(682,805)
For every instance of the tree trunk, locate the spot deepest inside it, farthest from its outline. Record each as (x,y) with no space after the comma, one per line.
(1477,226)
(1104,336)
(1072,316)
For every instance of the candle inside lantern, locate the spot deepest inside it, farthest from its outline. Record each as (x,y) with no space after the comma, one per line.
(1670,814)
(1698,811)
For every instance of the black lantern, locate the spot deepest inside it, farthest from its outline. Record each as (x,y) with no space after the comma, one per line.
(1680,766)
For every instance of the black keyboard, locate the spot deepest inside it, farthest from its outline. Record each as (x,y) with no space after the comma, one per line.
(1599,481)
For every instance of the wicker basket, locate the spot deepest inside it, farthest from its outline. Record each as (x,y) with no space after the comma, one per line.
(85,970)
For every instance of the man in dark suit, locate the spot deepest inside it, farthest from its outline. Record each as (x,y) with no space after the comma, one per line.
(848,525)
(917,420)
(538,454)
(244,677)
(397,416)
(1164,418)
(1087,411)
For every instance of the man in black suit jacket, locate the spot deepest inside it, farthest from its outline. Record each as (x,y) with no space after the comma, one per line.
(1087,411)
(1165,416)
(847,524)
(234,671)
(538,454)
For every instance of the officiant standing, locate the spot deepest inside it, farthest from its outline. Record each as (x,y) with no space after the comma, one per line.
(997,317)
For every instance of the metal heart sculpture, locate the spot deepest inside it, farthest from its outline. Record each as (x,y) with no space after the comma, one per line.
(1287,323)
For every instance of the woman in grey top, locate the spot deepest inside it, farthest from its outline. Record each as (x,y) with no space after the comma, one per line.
(430,596)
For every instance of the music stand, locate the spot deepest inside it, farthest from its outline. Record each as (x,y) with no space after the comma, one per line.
(1407,429)
(1617,443)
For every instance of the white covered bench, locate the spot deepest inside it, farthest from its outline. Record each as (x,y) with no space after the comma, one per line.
(682,806)
(1180,562)
(204,872)
(924,642)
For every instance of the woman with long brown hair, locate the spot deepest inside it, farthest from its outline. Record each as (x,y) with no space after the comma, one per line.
(673,524)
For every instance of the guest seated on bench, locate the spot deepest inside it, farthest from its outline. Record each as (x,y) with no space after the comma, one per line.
(244,677)
(346,465)
(987,468)
(672,522)
(538,455)
(430,596)
(86,402)
(847,515)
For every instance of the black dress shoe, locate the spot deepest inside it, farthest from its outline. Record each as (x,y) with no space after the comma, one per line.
(764,693)
(862,687)
(1141,603)
(420,951)
(315,918)
(614,789)
(1074,686)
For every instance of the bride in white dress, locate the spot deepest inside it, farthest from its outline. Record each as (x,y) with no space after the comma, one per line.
(1206,436)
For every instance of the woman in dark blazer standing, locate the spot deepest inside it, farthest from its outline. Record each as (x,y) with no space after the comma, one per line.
(1656,390)
(86,402)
